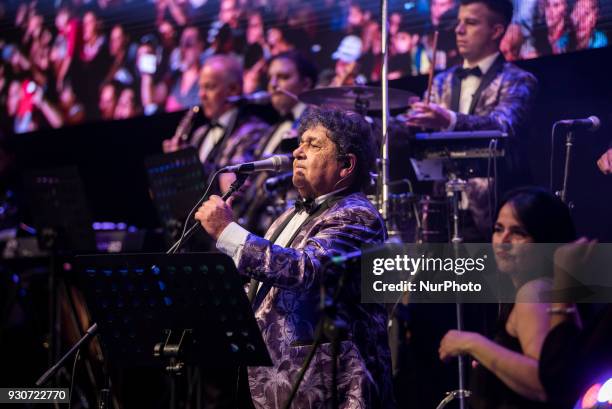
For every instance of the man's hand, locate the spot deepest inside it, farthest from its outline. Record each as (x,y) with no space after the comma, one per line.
(431,116)
(605,162)
(170,145)
(214,215)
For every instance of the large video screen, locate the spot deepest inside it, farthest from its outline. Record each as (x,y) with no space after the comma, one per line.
(65,62)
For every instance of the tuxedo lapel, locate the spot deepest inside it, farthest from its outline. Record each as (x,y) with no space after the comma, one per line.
(486,80)
(199,137)
(219,147)
(258,296)
(254,284)
(455,92)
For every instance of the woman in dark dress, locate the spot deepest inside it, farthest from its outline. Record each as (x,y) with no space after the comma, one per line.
(506,373)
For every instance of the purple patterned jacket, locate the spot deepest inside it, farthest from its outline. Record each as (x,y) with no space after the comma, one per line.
(286,309)
(502,101)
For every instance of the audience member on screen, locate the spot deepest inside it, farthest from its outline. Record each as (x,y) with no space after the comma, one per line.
(559,36)
(585,16)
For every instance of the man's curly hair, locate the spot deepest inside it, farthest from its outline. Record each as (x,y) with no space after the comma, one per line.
(351,133)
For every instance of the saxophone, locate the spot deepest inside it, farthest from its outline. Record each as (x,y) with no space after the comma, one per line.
(181,135)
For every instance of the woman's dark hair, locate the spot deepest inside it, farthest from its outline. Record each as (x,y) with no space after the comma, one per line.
(543,215)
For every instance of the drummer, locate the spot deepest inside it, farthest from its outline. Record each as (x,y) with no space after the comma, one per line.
(484,93)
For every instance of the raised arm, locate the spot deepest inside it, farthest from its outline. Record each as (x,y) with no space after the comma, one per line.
(301,269)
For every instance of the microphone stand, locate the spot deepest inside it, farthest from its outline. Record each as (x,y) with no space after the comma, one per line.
(329,326)
(383,181)
(569,140)
(51,371)
(240,179)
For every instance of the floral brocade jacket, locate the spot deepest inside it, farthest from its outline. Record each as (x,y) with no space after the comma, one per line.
(287,310)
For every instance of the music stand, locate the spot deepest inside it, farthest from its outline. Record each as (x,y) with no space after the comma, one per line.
(142,300)
(176,182)
(63,223)
(59,209)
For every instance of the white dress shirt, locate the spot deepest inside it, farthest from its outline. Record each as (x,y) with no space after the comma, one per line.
(232,238)
(469,85)
(214,135)
(283,129)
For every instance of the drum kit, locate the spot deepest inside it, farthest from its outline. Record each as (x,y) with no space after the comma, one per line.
(448,157)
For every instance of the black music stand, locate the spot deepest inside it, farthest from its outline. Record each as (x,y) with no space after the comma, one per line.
(59,210)
(63,222)
(147,302)
(176,182)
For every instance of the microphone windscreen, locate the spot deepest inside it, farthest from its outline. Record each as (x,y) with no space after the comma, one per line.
(596,123)
(283,163)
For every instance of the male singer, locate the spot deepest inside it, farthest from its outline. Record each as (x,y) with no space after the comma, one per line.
(331,166)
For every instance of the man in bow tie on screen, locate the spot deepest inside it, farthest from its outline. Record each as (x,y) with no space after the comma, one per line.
(485,93)
(287,266)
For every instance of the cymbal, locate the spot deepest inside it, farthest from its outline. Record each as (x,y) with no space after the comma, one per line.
(356,98)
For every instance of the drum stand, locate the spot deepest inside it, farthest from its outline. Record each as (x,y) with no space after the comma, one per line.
(455,187)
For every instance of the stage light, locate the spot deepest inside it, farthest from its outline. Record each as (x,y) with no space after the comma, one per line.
(597,396)
(605,393)
(589,399)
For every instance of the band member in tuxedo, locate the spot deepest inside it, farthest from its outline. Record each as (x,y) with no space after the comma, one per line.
(231,135)
(485,93)
(289,265)
(290,74)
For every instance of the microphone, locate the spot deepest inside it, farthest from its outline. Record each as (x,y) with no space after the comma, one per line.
(257,98)
(276,163)
(51,371)
(591,123)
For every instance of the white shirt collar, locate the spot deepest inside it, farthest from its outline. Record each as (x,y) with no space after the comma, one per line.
(484,64)
(324,197)
(225,118)
(298,109)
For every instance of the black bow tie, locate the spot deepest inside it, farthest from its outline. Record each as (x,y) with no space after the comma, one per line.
(215,124)
(305,205)
(287,117)
(462,73)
